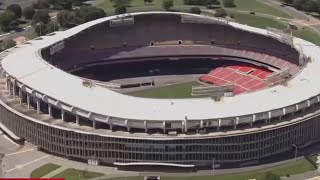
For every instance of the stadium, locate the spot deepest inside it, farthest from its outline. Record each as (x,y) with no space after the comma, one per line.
(257,95)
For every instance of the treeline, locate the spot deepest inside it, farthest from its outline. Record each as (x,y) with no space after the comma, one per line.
(305,5)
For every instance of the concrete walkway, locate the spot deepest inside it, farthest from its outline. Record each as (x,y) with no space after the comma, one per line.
(303,176)
(55,172)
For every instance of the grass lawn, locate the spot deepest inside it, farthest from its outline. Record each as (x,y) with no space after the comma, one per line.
(298,167)
(44,170)
(74,174)
(32,36)
(256,6)
(309,35)
(136,5)
(257,21)
(182,90)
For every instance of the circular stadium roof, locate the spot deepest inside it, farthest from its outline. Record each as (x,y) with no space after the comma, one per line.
(27,66)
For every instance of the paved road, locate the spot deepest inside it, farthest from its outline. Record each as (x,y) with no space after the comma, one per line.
(301,17)
(22,3)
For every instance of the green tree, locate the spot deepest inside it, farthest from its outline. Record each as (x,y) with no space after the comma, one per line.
(121,10)
(195,10)
(41,4)
(61,4)
(310,6)
(167,4)
(52,26)
(119,3)
(298,4)
(8,21)
(28,12)
(16,9)
(41,16)
(229,3)
(287,1)
(66,19)
(195,2)
(89,13)
(40,28)
(220,13)
(147,1)
(121,6)
(211,3)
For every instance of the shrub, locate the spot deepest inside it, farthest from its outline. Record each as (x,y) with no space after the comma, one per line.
(229,3)
(220,13)
(195,10)
(167,4)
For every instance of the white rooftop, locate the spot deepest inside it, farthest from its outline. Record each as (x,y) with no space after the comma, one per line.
(29,68)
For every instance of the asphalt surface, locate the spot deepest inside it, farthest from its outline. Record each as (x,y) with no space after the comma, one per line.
(22,3)
(298,15)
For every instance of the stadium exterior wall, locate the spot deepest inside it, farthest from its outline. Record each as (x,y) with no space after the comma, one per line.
(196,151)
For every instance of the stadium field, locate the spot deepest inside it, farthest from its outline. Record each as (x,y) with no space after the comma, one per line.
(181,90)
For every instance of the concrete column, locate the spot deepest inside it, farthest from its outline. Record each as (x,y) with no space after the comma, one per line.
(77,119)
(28,100)
(50,110)
(164,127)
(145,126)
(185,125)
(253,120)
(38,105)
(20,95)
(128,128)
(269,117)
(62,114)
(9,88)
(14,90)
(7,84)
(236,123)
(94,124)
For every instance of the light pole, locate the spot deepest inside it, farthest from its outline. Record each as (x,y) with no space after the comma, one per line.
(212,166)
(39,24)
(295,152)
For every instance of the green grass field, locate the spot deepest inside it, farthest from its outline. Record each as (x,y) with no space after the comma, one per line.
(256,6)
(257,21)
(74,174)
(309,35)
(138,4)
(43,170)
(244,5)
(292,168)
(175,91)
